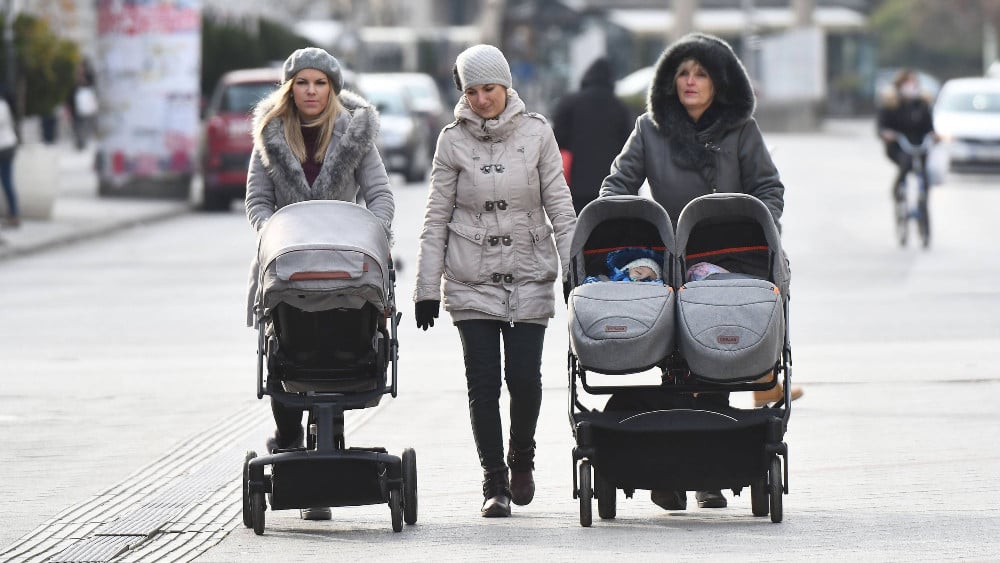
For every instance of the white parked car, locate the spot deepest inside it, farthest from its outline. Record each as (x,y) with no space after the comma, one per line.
(404,135)
(967,117)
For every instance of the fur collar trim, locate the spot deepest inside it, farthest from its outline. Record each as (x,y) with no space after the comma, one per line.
(733,93)
(496,129)
(354,135)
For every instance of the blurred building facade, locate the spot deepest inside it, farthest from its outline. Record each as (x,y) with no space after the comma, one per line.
(823,44)
(550,42)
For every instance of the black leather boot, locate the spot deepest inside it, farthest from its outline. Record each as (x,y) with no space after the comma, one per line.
(522,483)
(711,499)
(496,494)
(669,500)
(280,442)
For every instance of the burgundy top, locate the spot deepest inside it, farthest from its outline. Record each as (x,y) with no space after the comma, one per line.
(310,166)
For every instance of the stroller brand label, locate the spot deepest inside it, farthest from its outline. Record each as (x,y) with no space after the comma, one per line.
(728,339)
(615,328)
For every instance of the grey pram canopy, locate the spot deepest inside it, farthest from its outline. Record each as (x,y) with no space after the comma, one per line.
(323,254)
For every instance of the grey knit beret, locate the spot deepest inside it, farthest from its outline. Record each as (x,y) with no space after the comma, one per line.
(314,57)
(481,64)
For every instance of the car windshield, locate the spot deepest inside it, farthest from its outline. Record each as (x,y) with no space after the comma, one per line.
(242,97)
(978,102)
(389,102)
(424,92)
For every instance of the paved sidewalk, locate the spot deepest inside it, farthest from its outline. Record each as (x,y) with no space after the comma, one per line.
(78,212)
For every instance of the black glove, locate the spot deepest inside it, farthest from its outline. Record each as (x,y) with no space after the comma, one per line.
(426,312)
(567,288)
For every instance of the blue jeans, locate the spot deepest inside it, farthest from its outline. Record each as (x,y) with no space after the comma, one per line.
(523,374)
(7,179)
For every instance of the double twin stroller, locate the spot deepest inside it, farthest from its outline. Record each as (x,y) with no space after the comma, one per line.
(327,322)
(700,339)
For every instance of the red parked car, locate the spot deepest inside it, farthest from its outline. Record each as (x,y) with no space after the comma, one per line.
(226,140)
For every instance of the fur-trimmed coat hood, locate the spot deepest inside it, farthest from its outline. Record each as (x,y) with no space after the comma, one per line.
(732,107)
(359,123)
(723,153)
(352,170)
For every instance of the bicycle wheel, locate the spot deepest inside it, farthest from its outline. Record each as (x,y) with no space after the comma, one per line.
(924,222)
(902,213)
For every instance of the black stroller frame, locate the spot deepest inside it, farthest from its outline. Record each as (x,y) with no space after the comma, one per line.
(325,472)
(695,444)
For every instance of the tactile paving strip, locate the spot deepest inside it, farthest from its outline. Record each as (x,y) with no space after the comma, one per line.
(174,509)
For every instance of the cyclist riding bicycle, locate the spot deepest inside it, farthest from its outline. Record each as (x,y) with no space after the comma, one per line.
(905,111)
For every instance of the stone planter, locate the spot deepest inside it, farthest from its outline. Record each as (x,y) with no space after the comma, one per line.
(36,180)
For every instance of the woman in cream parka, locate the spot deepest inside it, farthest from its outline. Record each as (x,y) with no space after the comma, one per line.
(497,197)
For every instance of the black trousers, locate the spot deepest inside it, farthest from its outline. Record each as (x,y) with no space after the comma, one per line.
(287,419)
(522,352)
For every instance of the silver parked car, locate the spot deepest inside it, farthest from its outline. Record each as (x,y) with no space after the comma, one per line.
(404,140)
(967,117)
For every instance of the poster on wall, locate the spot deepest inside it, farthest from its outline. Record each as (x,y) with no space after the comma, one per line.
(149,54)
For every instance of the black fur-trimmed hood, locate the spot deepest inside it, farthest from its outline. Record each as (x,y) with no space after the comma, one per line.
(733,105)
(357,127)
(733,90)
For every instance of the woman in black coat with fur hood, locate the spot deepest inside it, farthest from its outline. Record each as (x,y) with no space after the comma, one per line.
(705,126)
(698,136)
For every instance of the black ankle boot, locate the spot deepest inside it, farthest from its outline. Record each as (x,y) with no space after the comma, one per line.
(522,483)
(279,442)
(496,494)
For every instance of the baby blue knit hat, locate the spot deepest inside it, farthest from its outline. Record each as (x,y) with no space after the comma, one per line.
(481,64)
(314,57)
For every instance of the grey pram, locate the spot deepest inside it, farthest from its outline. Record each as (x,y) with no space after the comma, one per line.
(327,321)
(706,338)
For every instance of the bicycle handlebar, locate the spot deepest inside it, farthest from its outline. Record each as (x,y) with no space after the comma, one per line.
(923,148)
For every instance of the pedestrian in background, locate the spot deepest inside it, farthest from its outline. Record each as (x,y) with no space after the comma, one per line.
(312,140)
(82,104)
(496,184)
(8,147)
(698,136)
(591,126)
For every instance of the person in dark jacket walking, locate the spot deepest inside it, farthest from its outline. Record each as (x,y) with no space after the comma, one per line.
(700,119)
(591,126)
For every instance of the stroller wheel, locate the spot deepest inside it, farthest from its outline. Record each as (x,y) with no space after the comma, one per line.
(606,497)
(776,489)
(257,507)
(586,495)
(247,509)
(409,486)
(396,509)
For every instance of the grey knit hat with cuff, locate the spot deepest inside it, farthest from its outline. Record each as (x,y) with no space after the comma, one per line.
(481,64)
(314,57)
